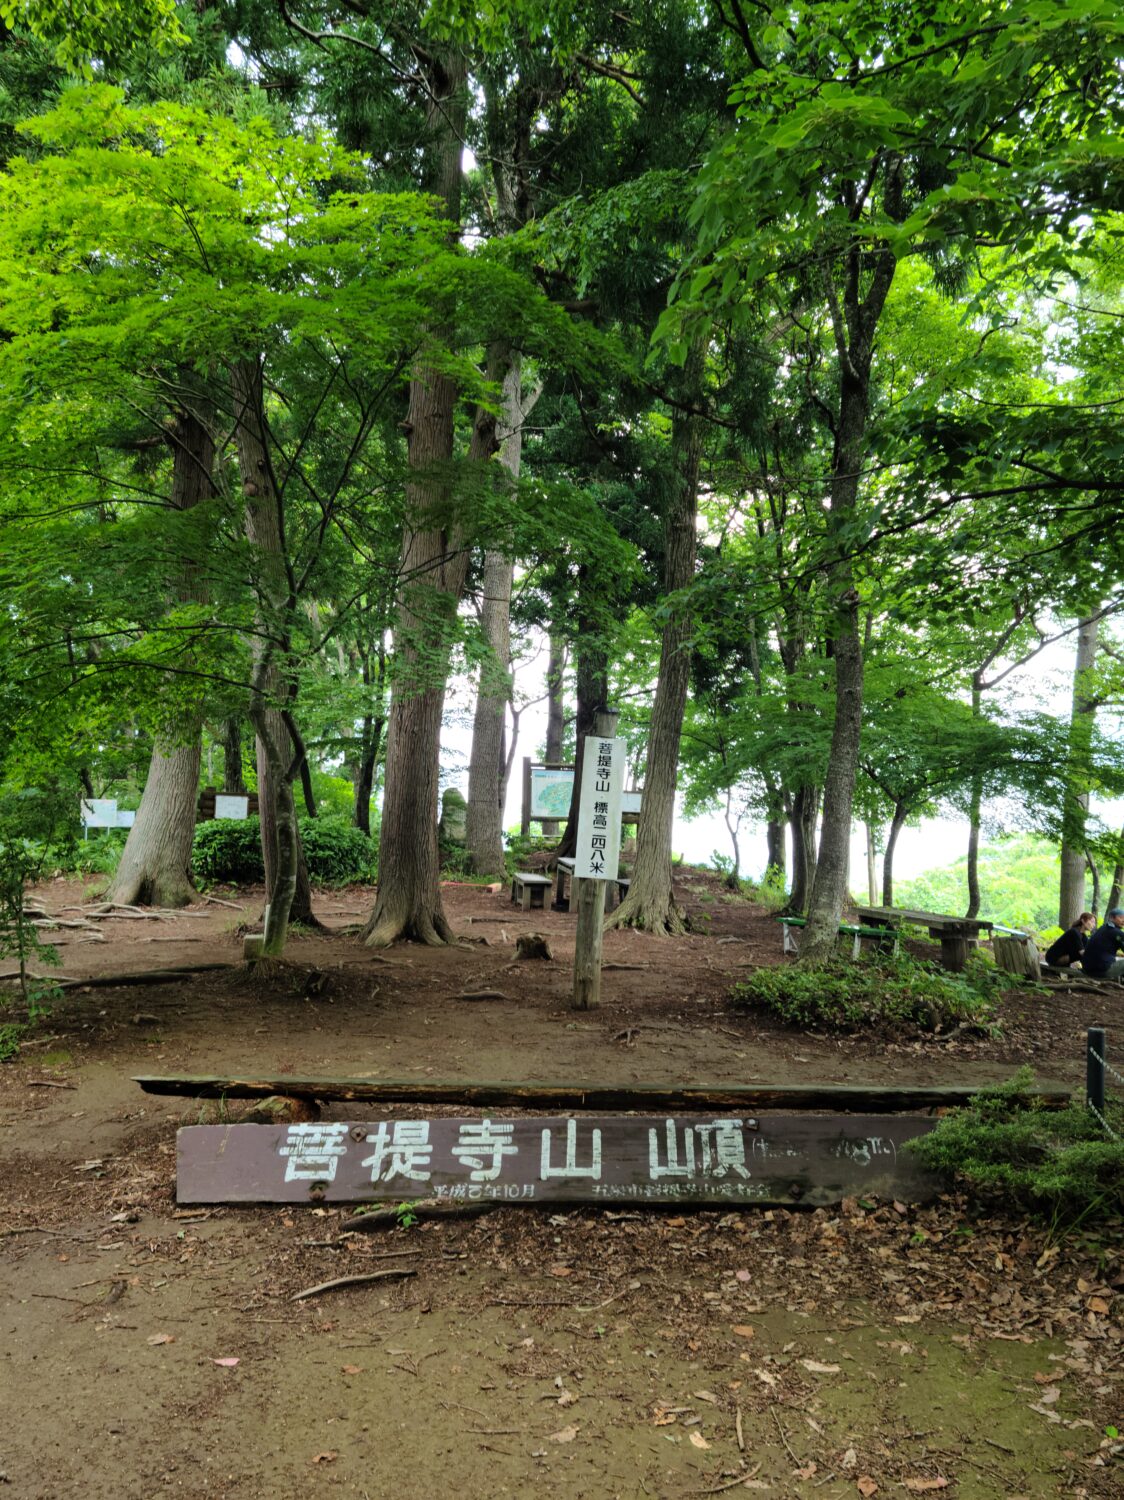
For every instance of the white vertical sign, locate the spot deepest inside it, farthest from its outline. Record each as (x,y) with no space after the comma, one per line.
(598,852)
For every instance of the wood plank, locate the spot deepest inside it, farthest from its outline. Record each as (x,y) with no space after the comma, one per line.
(643,1160)
(741,1098)
(931,919)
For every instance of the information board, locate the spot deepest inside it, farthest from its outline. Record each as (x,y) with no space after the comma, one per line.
(230,806)
(623,1158)
(551,791)
(598,851)
(100,812)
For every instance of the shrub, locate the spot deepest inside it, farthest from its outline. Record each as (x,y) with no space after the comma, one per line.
(229,850)
(845,995)
(338,853)
(1061,1162)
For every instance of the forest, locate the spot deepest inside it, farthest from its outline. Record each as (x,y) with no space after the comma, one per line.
(757,370)
(717,403)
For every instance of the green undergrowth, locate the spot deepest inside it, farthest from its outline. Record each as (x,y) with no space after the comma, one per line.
(1059,1164)
(896,991)
(228,850)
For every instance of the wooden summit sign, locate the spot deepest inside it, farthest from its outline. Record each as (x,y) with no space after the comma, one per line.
(608,1159)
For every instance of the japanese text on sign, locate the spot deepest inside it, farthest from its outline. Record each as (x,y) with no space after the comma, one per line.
(678,1159)
(598,851)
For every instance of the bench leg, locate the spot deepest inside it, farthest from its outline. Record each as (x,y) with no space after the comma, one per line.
(513,896)
(954,953)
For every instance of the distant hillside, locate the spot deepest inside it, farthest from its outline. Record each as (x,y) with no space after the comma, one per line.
(1018,884)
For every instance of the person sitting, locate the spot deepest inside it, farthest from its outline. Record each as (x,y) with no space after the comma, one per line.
(1069,948)
(1099,960)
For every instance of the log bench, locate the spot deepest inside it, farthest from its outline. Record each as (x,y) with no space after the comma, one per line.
(529,889)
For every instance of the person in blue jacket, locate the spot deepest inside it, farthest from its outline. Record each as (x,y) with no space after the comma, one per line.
(1099,960)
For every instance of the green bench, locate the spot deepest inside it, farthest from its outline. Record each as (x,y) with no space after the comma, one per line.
(884,938)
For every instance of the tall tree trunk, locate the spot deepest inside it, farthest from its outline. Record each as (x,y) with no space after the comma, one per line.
(1117,886)
(271,701)
(233,780)
(871,871)
(370,739)
(802,828)
(854,322)
(432,572)
(733,828)
(650,903)
(775,852)
(155,866)
(1075,807)
(897,823)
(975,810)
(591,685)
(488,760)
(555,715)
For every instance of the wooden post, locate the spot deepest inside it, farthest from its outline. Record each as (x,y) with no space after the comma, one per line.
(589,898)
(525,821)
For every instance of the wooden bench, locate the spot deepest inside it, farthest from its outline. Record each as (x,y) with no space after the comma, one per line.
(615,890)
(529,889)
(883,938)
(956,935)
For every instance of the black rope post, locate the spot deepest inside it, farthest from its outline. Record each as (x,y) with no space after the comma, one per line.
(1094,1069)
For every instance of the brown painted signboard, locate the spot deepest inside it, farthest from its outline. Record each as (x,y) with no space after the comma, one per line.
(614,1159)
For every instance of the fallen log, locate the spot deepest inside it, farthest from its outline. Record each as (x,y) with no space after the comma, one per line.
(746,1098)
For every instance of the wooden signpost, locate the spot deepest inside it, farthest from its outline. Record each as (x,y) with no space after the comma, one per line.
(806,1159)
(598,851)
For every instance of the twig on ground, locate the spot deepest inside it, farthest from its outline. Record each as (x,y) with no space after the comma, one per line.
(339,1281)
(48,1083)
(217,901)
(482,995)
(730,1484)
(784,1438)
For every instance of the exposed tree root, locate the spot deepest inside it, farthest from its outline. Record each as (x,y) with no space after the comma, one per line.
(389,925)
(660,918)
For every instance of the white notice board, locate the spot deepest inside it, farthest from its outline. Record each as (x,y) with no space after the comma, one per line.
(100,812)
(598,852)
(229,806)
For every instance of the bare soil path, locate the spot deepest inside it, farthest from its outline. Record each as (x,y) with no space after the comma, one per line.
(869,1350)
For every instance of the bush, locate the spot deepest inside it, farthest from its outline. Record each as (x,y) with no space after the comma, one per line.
(845,995)
(229,850)
(1058,1161)
(338,853)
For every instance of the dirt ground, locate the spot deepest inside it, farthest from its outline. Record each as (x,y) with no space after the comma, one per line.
(872,1349)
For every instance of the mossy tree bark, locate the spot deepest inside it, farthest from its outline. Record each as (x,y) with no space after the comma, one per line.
(155,866)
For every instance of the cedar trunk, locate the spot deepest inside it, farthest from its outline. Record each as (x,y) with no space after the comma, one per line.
(431,572)
(488,763)
(650,903)
(155,866)
(591,685)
